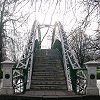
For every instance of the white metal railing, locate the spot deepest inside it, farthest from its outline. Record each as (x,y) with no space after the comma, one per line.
(23,70)
(69,58)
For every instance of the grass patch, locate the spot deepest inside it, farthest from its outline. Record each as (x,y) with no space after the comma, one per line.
(98,73)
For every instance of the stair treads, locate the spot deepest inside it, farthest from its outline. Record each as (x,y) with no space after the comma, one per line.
(56,87)
(48,73)
(39,82)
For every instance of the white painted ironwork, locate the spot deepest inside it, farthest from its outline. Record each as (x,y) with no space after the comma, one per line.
(26,61)
(69,54)
(58,34)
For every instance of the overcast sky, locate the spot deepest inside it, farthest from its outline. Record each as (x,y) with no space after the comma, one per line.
(69,12)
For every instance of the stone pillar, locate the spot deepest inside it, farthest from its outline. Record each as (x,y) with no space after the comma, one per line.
(7,87)
(92,78)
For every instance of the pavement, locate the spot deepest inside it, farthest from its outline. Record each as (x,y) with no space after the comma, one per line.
(49,93)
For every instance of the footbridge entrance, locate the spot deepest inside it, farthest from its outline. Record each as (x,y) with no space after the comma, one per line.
(51,72)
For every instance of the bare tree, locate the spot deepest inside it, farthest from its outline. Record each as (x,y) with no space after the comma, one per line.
(9,37)
(81,44)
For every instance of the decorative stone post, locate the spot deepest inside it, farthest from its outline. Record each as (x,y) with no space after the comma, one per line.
(7,88)
(92,78)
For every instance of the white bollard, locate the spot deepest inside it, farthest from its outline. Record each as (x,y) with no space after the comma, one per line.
(7,87)
(92,78)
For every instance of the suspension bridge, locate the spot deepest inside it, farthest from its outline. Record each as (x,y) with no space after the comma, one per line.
(48,73)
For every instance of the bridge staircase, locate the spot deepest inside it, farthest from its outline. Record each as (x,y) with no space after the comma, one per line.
(48,77)
(48,73)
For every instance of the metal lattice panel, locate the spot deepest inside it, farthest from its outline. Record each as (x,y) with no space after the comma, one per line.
(23,70)
(69,59)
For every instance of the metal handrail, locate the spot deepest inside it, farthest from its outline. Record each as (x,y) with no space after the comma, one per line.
(23,71)
(70,62)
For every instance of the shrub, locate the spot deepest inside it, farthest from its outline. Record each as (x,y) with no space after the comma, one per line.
(98,73)
(1,74)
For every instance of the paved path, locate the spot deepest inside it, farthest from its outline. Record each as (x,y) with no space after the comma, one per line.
(51,93)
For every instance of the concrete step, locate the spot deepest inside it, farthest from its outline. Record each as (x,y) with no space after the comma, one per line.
(39,82)
(47,64)
(48,67)
(46,58)
(48,78)
(49,87)
(51,70)
(47,52)
(47,73)
(41,66)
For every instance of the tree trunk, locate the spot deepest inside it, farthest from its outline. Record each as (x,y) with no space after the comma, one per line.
(1,31)
(0,44)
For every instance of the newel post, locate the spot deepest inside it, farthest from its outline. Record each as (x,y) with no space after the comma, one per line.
(7,87)
(92,78)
